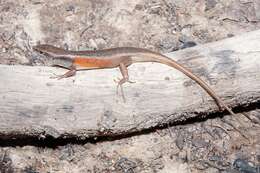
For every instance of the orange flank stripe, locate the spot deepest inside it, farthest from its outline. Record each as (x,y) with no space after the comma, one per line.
(91,62)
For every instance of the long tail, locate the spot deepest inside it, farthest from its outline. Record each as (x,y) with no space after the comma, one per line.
(154,57)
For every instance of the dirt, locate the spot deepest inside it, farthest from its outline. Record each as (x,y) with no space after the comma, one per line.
(211,145)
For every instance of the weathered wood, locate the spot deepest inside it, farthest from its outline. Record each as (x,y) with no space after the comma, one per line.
(32,104)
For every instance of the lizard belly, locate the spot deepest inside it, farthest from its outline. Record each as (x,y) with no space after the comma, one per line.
(92,63)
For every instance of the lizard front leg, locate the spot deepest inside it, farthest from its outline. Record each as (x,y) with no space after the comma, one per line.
(124,72)
(72,72)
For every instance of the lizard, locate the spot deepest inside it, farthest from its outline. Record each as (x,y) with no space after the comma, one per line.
(121,57)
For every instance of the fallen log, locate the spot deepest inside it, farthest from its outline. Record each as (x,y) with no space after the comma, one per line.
(32,104)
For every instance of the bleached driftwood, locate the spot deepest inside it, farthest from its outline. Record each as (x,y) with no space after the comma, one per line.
(32,104)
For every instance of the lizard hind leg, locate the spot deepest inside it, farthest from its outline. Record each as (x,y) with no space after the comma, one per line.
(124,72)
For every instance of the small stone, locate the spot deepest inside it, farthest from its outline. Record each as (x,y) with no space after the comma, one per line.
(70,8)
(180,142)
(4,50)
(138,7)
(210,4)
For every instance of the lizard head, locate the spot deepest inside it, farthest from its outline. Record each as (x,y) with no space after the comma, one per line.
(49,50)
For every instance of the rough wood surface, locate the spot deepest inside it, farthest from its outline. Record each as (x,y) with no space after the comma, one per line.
(32,104)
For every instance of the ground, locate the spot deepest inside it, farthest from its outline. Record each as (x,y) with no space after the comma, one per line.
(209,145)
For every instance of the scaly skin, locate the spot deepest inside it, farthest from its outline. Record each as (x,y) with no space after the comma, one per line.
(120,57)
